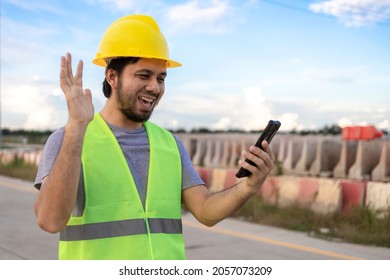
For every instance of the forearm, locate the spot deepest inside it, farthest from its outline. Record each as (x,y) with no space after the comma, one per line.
(58,192)
(218,206)
(210,209)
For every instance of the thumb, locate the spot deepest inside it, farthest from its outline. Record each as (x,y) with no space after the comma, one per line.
(88,93)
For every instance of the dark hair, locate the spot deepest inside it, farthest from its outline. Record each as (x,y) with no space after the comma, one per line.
(117,64)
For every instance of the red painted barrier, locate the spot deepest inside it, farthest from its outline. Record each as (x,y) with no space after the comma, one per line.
(269,192)
(353,194)
(206,174)
(231,179)
(361,133)
(308,190)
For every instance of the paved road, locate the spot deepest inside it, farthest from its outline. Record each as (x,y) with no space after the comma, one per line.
(20,238)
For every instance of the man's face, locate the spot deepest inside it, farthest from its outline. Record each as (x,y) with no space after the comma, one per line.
(140,88)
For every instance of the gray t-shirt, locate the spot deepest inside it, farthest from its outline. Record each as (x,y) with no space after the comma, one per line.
(135,147)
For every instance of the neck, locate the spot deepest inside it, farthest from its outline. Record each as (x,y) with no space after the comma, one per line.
(115,117)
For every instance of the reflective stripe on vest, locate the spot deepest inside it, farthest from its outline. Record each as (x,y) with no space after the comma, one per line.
(114,224)
(120,228)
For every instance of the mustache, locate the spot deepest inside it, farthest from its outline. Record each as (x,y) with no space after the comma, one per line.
(150,93)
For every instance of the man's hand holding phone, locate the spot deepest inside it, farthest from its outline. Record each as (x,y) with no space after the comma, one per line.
(255,160)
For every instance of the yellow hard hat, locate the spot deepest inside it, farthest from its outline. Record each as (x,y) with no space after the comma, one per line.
(133,35)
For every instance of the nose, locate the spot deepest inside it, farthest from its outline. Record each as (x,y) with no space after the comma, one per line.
(153,86)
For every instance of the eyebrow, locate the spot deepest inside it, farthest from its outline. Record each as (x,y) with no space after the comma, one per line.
(150,72)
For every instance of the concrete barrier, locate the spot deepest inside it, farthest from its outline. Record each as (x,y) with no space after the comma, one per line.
(328,199)
(205,174)
(382,171)
(222,179)
(308,191)
(367,158)
(217,159)
(210,152)
(235,153)
(225,153)
(200,152)
(378,197)
(269,192)
(218,180)
(231,179)
(347,159)
(288,190)
(307,157)
(327,156)
(321,195)
(282,150)
(353,194)
(188,142)
(275,145)
(294,151)
(7,157)
(319,156)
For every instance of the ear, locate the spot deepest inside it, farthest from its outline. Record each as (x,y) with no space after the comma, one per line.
(112,78)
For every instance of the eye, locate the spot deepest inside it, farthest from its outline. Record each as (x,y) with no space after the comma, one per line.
(143,76)
(161,79)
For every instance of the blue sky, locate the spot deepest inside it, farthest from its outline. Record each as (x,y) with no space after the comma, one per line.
(306,63)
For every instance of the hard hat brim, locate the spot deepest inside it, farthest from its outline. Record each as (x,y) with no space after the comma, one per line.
(99,61)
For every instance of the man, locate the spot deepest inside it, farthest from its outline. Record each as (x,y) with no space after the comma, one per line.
(113,183)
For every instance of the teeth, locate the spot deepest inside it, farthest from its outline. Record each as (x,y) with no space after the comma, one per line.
(147,99)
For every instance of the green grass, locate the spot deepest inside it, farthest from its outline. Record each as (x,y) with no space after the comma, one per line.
(18,169)
(360,225)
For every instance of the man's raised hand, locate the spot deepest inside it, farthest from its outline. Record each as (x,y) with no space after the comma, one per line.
(79,100)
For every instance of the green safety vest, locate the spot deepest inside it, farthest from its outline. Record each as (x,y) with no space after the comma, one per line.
(114,224)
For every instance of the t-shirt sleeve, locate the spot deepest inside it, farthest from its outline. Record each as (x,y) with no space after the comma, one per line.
(49,156)
(190,177)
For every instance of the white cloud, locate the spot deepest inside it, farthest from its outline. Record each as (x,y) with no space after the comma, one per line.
(250,110)
(256,111)
(343,122)
(289,121)
(199,15)
(354,13)
(222,124)
(385,124)
(381,122)
(32,103)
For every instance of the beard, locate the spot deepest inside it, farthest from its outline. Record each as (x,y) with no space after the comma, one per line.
(128,105)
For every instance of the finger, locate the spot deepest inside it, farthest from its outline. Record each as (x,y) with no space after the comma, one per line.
(78,79)
(87,93)
(256,159)
(264,153)
(69,65)
(252,169)
(64,79)
(260,157)
(267,148)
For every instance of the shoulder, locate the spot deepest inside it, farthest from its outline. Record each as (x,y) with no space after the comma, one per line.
(56,138)
(151,125)
(49,155)
(158,131)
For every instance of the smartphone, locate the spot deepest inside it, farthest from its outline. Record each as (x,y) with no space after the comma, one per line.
(267,135)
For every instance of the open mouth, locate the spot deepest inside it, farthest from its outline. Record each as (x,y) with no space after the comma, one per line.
(147,101)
